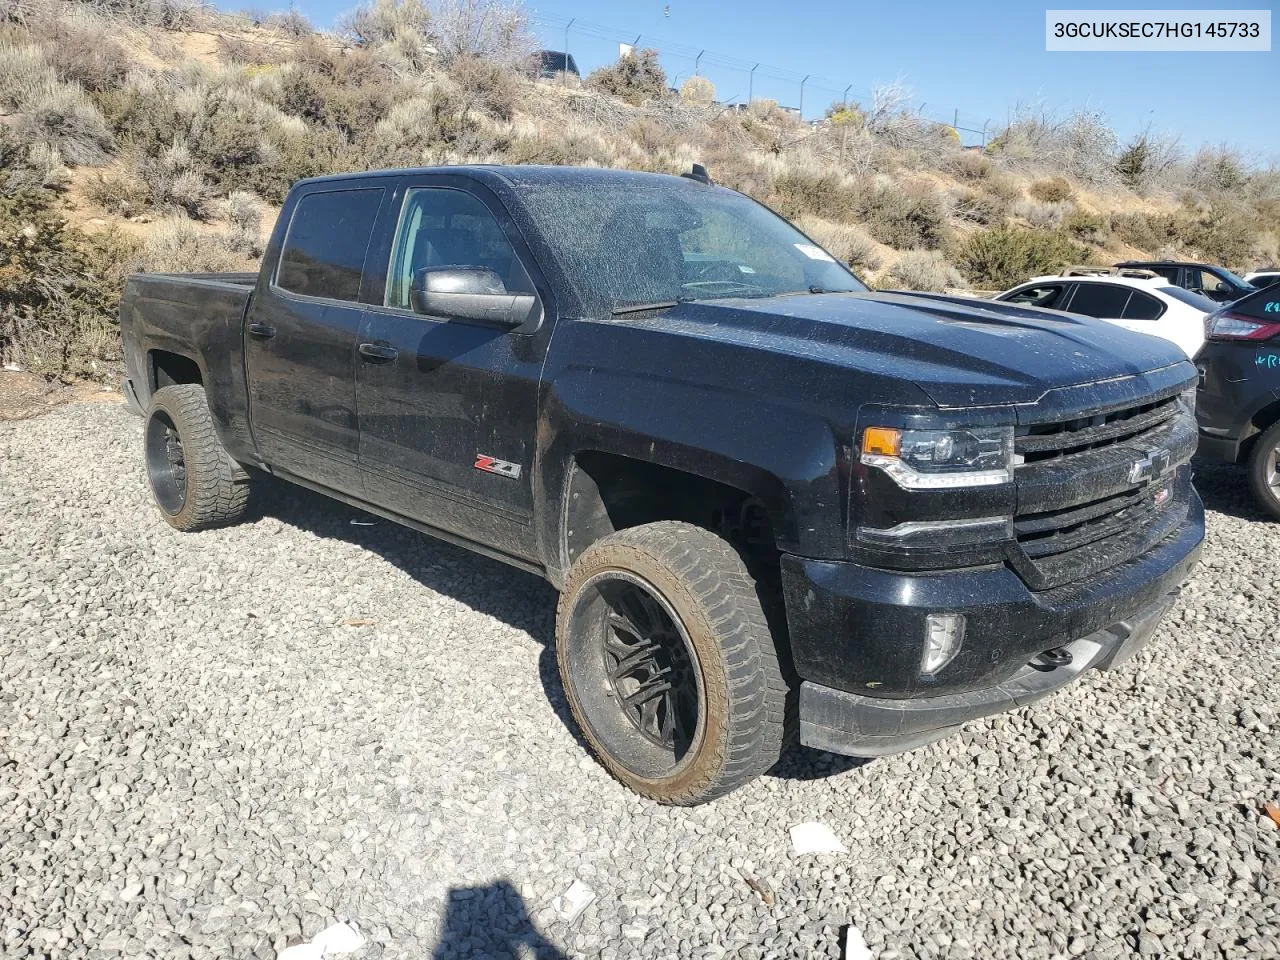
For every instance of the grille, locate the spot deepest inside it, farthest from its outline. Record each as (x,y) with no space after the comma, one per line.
(1080,508)
(1049,440)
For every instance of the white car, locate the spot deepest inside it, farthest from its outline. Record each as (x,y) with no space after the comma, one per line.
(1145,304)
(1263,278)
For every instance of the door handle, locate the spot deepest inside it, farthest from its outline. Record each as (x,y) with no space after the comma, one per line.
(263,331)
(378,352)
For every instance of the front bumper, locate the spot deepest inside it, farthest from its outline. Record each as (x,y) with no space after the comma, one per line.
(872,727)
(857,635)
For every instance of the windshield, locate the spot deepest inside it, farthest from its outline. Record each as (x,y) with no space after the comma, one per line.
(1231,278)
(657,241)
(1190,299)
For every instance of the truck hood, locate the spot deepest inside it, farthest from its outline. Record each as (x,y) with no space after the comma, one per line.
(961,352)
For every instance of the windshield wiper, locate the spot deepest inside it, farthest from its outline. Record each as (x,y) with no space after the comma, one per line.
(814,289)
(656,305)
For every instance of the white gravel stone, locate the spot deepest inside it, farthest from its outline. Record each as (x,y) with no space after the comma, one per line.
(188,719)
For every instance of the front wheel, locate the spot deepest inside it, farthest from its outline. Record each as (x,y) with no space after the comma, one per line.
(1264,470)
(668,664)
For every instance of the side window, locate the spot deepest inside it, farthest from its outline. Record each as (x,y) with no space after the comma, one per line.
(1142,307)
(1049,296)
(1169,273)
(448,228)
(1100,300)
(328,237)
(1204,280)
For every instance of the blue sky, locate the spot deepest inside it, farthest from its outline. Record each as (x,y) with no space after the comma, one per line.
(981,59)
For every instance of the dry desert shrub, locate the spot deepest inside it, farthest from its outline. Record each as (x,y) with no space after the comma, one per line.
(925,270)
(63,118)
(1002,256)
(698,90)
(905,217)
(845,241)
(1042,215)
(635,78)
(1052,190)
(179,246)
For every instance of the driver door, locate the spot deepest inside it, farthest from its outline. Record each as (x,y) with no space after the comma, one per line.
(1209,285)
(448,407)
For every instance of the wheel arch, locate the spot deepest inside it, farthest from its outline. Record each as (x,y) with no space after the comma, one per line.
(166,368)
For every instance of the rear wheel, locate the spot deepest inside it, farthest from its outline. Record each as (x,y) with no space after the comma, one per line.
(1264,470)
(668,663)
(195,482)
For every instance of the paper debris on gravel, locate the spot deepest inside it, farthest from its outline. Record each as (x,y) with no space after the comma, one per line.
(814,837)
(332,941)
(1273,811)
(855,948)
(359,622)
(570,904)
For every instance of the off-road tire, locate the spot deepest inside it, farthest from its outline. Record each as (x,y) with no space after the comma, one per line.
(216,487)
(1262,463)
(704,581)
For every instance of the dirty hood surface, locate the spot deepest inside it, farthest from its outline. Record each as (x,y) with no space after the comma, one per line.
(959,351)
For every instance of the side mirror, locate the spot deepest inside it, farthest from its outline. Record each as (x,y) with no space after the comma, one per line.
(476,294)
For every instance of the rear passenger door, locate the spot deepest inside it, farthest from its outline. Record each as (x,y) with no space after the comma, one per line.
(300,339)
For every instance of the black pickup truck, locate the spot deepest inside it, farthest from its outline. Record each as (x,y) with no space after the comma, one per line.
(773,501)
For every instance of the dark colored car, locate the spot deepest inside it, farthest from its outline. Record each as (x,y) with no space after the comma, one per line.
(1217,283)
(1264,278)
(772,500)
(552,63)
(1238,403)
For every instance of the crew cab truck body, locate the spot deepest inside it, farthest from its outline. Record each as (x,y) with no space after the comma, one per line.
(765,493)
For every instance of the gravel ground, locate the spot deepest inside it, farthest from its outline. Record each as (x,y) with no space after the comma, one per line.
(214,745)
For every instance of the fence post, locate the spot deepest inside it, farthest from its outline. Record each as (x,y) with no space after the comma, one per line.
(564,77)
(802,83)
(751,85)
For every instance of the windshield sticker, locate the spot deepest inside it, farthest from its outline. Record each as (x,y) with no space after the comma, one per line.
(814,253)
(743,268)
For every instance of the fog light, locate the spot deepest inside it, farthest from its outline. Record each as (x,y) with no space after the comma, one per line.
(943,634)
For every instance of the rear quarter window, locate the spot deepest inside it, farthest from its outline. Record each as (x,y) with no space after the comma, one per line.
(1142,307)
(324,250)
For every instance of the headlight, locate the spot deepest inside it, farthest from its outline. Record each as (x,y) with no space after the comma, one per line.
(938,459)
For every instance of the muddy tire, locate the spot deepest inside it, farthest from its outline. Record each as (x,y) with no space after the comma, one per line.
(668,664)
(195,482)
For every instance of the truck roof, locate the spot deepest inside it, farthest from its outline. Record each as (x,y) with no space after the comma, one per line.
(1166,263)
(512,174)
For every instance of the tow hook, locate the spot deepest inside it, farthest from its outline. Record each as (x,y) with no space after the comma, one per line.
(1057,657)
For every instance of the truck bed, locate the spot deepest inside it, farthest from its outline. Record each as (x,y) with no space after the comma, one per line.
(195,315)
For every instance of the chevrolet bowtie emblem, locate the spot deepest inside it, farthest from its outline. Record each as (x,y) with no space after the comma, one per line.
(1153,465)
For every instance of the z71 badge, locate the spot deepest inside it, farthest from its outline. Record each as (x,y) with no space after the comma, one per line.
(503,468)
